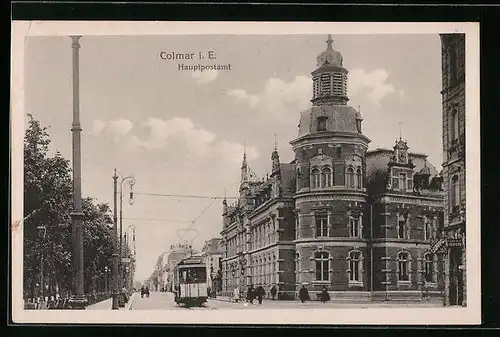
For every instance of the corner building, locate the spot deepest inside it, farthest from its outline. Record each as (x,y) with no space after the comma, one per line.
(454,177)
(311,222)
(330,195)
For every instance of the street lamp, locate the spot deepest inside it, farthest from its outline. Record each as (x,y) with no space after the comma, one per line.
(131,181)
(43,230)
(77,300)
(106,271)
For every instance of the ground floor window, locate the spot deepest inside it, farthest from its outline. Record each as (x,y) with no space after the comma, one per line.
(322,264)
(429,271)
(403,266)
(355,266)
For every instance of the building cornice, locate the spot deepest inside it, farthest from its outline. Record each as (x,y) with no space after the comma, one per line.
(337,137)
(347,195)
(426,200)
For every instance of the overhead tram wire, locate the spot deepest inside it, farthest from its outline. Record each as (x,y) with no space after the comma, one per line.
(185,196)
(159,220)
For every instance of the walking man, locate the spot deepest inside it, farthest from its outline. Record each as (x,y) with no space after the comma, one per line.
(260,293)
(273,291)
(303,294)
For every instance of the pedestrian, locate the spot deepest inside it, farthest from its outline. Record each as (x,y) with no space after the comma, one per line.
(236,294)
(303,294)
(143,291)
(147,291)
(209,291)
(260,293)
(250,294)
(273,291)
(324,296)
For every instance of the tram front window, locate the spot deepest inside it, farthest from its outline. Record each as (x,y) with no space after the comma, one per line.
(193,275)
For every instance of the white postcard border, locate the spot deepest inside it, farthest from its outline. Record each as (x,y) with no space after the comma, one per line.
(401,315)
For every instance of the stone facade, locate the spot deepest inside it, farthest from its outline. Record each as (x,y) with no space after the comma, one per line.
(330,218)
(453,103)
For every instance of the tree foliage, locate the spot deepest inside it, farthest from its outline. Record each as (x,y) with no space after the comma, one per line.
(48,202)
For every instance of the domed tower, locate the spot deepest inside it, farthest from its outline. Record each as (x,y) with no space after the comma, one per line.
(330,152)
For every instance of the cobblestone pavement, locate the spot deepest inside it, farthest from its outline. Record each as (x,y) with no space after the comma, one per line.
(165,301)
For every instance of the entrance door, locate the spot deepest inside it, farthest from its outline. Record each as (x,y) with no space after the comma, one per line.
(456,277)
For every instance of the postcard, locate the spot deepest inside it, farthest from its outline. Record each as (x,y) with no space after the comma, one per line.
(245,173)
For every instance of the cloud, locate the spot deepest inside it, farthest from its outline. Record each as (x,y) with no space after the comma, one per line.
(181,132)
(98,126)
(243,96)
(374,83)
(235,151)
(205,76)
(278,97)
(119,128)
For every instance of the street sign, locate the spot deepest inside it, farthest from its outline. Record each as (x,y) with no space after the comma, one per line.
(125,260)
(454,242)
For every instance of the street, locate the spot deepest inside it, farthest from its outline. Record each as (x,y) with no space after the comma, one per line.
(165,301)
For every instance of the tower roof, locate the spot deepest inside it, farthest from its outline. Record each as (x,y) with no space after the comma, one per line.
(339,118)
(329,57)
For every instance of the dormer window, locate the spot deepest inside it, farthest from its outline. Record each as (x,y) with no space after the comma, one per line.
(322,123)
(402,181)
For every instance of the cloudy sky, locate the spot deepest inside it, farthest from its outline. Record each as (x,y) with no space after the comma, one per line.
(180,132)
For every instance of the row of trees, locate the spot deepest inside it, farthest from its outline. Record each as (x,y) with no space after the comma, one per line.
(47,224)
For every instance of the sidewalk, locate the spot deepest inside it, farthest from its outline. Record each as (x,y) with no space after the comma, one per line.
(107,304)
(337,303)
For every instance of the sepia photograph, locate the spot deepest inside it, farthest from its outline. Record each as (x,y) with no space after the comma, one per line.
(245,173)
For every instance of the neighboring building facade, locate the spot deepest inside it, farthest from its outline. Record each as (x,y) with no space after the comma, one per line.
(257,240)
(212,254)
(310,222)
(176,253)
(454,175)
(405,216)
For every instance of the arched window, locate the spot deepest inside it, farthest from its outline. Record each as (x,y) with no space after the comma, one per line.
(321,220)
(326,177)
(428,230)
(401,226)
(355,266)
(274,268)
(350,177)
(455,192)
(359,182)
(454,126)
(429,268)
(355,226)
(403,266)
(322,266)
(297,267)
(315,178)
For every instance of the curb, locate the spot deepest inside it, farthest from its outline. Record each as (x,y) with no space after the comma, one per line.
(130,302)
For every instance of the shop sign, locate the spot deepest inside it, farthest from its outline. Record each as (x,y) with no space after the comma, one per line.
(454,242)
(437,245)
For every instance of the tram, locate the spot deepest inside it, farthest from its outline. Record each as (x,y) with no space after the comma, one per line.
(190,281)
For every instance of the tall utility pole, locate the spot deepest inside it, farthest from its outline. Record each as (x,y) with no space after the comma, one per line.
(115,305)
(77,300)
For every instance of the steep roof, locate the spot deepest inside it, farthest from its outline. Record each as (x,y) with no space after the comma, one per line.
(377,160)
(340,118)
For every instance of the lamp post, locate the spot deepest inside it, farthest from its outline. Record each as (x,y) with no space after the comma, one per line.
(42,229)
(106,271)
(115,305)
(131,256)
(77,300)
(131,181)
